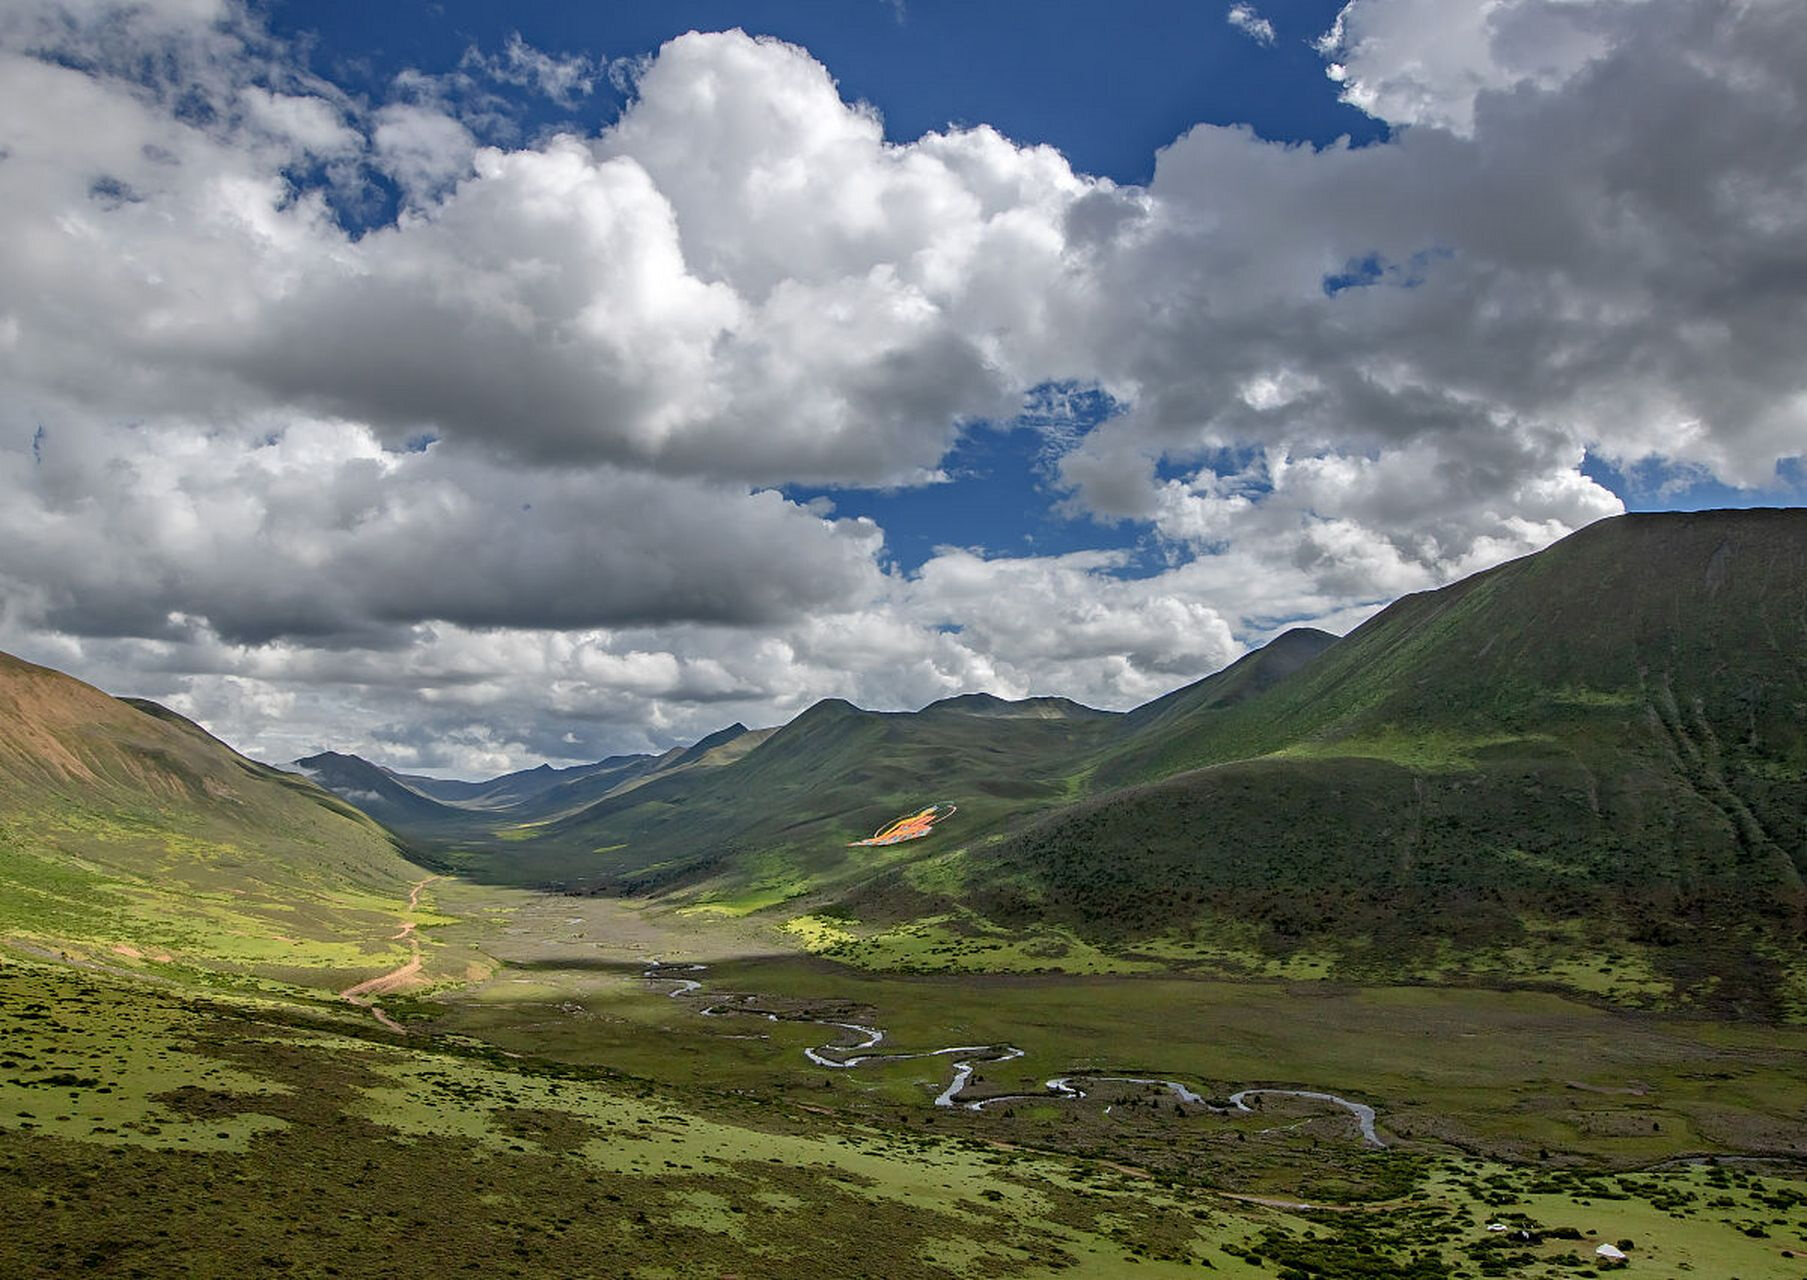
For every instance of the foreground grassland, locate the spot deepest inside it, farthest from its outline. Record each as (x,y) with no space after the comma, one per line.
(152,1133)
(551,1112)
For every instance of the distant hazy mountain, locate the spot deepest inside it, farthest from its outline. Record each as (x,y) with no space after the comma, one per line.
(375,790)
(436,810)
(512,789)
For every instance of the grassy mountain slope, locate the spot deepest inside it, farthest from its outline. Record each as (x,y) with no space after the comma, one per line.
(779,817)
(772,811)
(131,836)
(1251,674)
(1692,618)
(1612,731)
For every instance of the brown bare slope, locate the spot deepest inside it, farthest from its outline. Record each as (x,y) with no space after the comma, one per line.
(127,826)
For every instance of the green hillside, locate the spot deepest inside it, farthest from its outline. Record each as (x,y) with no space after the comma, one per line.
(1253,673)
(750,818)
(769,817)
(1694,619)
(1611,733)
(750,827)
(1587,767)
(130,837)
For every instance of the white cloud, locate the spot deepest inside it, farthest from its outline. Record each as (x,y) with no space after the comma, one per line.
(319,533)
(441,695)
(1246,19)
(424,149)
(311,124)
(1425,62)
(563,79)
(1346,372)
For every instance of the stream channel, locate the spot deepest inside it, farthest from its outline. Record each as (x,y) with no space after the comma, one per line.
(836,1056)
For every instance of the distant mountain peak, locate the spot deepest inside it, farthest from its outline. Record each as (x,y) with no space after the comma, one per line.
(1294,636)
(829,709)
(377,791)
(989,704)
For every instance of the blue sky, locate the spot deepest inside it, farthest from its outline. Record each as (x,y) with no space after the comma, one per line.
(1107,84)
(469,385)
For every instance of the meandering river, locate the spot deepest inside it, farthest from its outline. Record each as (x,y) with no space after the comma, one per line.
(841,1056)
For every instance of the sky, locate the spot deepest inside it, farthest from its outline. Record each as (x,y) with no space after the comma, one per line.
(470,386)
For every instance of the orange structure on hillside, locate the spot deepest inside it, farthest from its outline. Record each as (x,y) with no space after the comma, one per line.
(910,827)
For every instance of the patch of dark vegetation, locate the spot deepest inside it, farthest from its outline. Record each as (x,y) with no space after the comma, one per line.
(554,1132)
(1390,865)
(890,898)
(191,1102)
(1401,1245)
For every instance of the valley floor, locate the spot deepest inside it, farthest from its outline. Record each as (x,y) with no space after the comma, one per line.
(547,1109)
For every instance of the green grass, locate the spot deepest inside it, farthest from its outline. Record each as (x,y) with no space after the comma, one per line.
(1428,750)
(131,838)
(149,1129)
(961,942)
(148,1133)
(188,915)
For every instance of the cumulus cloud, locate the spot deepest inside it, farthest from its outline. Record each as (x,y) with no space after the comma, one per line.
(1425,62)
(497,479)
(1575,275)
(423,148)
(319,533)
(741,279)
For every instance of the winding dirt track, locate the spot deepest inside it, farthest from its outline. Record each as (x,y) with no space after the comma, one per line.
(397,978)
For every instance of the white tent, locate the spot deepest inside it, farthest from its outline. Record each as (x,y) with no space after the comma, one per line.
(1611,1252)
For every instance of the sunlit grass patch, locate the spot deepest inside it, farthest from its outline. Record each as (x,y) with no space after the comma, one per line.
(819,933)
(1416,747)
(963,943)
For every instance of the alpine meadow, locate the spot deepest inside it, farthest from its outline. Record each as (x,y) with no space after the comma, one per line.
(902,640)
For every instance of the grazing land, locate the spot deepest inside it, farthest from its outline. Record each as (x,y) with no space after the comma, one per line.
(568,1109)
(1327,966)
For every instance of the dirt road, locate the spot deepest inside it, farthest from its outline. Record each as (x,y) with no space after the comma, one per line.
(397,978)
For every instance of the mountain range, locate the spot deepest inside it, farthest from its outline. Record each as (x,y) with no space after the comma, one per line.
(1602,745)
